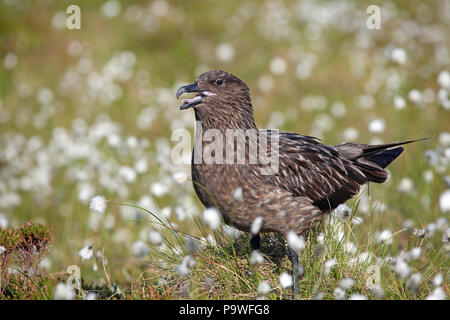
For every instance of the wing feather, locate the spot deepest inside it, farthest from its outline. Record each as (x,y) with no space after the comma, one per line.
(311,169)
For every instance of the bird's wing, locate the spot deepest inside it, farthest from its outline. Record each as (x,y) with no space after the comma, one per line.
(310,169)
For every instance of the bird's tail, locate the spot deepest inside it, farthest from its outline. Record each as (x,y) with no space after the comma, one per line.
(372,159)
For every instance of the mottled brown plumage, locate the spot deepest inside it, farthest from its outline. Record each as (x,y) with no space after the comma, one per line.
(312,178)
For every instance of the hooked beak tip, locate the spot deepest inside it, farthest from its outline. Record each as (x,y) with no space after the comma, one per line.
(193,87)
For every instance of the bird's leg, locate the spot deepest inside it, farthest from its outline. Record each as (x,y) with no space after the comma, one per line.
(293,256)
(255,242)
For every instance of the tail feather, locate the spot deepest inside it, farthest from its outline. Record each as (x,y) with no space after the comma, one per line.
(372,159)
(370,149)
(385,157)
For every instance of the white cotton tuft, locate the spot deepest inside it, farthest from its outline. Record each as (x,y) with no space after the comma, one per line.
(444,201)
(98,204)
(256,258)
(86,253)
(295,242)
(436,294)
(211,218)
(286,280)
(155,237)
(237,194)
(256,225)
(264,287)
(63,292)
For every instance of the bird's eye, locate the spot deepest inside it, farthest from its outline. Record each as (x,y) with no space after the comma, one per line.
(219,82)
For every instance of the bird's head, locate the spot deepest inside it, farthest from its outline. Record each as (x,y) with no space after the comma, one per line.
(215,89)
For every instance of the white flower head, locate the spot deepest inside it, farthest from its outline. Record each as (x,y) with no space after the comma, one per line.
(2,250)
(231,231)
(357,296)
(155,237)
(185,266)
(278,65)
(406,185)
(444,201)
(127,173)
(346,283)
(180,177)
(328,266)
(401,268)
(286,280)
(414,283)
(444,79)
(3,221)
(237,194)
(350,248)
(225,52)
(342,212)
(91,295)
(98,204)
(63,292)
(139,249)
(378,292)
(384,236)
(295,242)
(256,258)
(111,8)
(415,96)
(436,294)
(399,102)
(419,233)
(377,125)
(264,287)
(256,225)
(211,218)
(399,56)
(437,280)
(339,293)
(86,253)
(350,134)
(446,236)
(414,253)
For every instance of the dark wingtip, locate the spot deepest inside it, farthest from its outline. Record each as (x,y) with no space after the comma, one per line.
(384,157)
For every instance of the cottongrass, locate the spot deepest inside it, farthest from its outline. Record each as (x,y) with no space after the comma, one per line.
(91,296)
(256,258)
(98,204)
(63,292)
(328,266)
(357,296)
(264,287)
(295,242)
(231,231)
(139,249)
(444,201)
(86,253)
(437,294)
(285,280)
(237,194)
(184,268)
(155,237)
(401,268)
(346,283)
(414,282)
(256,225)
(212,218)
(437,280)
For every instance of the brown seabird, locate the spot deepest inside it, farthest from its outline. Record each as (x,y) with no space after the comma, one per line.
(310,178)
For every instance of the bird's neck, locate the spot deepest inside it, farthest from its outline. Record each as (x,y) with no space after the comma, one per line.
(225,118)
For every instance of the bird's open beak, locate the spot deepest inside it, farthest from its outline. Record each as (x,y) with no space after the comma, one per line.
(199,98)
